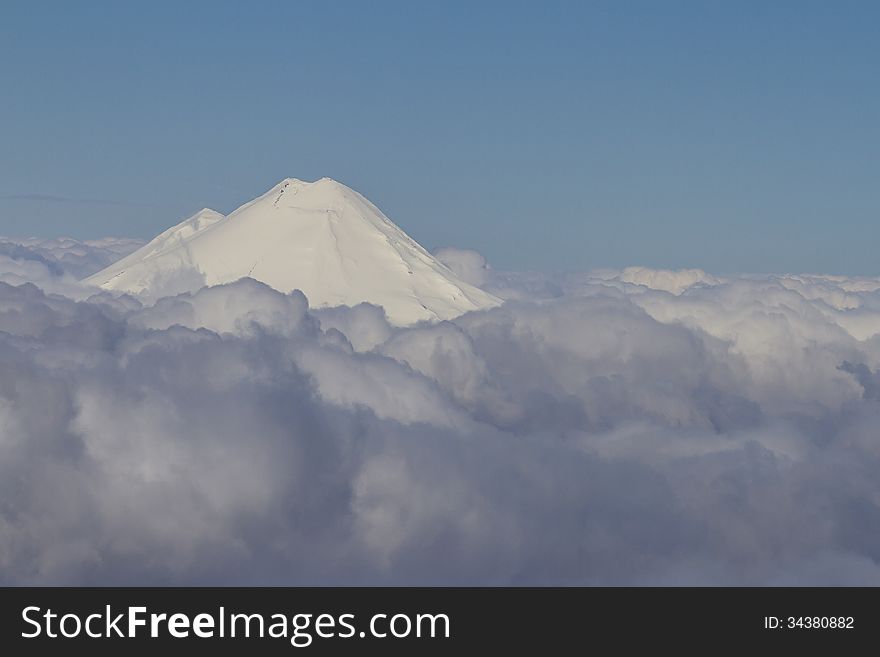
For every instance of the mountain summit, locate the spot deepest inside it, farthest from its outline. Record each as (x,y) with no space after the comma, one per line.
(321,237)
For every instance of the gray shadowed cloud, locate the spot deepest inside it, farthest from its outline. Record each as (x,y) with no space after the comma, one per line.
(61,258)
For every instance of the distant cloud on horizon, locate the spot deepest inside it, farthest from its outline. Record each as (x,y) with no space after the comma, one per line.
(52,198)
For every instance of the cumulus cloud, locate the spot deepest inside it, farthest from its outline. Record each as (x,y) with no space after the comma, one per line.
(20,264)
(470,266)
(77,258)
(635,427)
(675,282)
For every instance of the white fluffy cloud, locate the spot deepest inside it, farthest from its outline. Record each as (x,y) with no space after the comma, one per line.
(470,266)
(604,428)
(56,265)
(78,258)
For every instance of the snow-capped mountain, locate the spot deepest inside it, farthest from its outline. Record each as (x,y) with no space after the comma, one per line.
(321,237)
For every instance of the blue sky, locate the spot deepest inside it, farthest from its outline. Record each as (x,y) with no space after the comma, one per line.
(731,136)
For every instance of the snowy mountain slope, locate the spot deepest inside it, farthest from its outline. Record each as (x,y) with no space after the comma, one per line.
(321,237)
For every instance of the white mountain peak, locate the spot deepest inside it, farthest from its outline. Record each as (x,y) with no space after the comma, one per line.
(320,237)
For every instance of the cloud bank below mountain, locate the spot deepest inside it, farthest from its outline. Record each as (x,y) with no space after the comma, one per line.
(634,427)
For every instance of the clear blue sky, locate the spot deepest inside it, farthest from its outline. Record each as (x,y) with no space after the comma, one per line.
(733,136)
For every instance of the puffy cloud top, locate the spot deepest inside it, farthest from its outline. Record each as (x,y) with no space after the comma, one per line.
(470,266)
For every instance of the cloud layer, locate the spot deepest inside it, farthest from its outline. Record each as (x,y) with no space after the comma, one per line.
(634,427)
(77,258)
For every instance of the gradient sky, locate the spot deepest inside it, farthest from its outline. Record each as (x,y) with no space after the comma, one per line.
(731,136)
